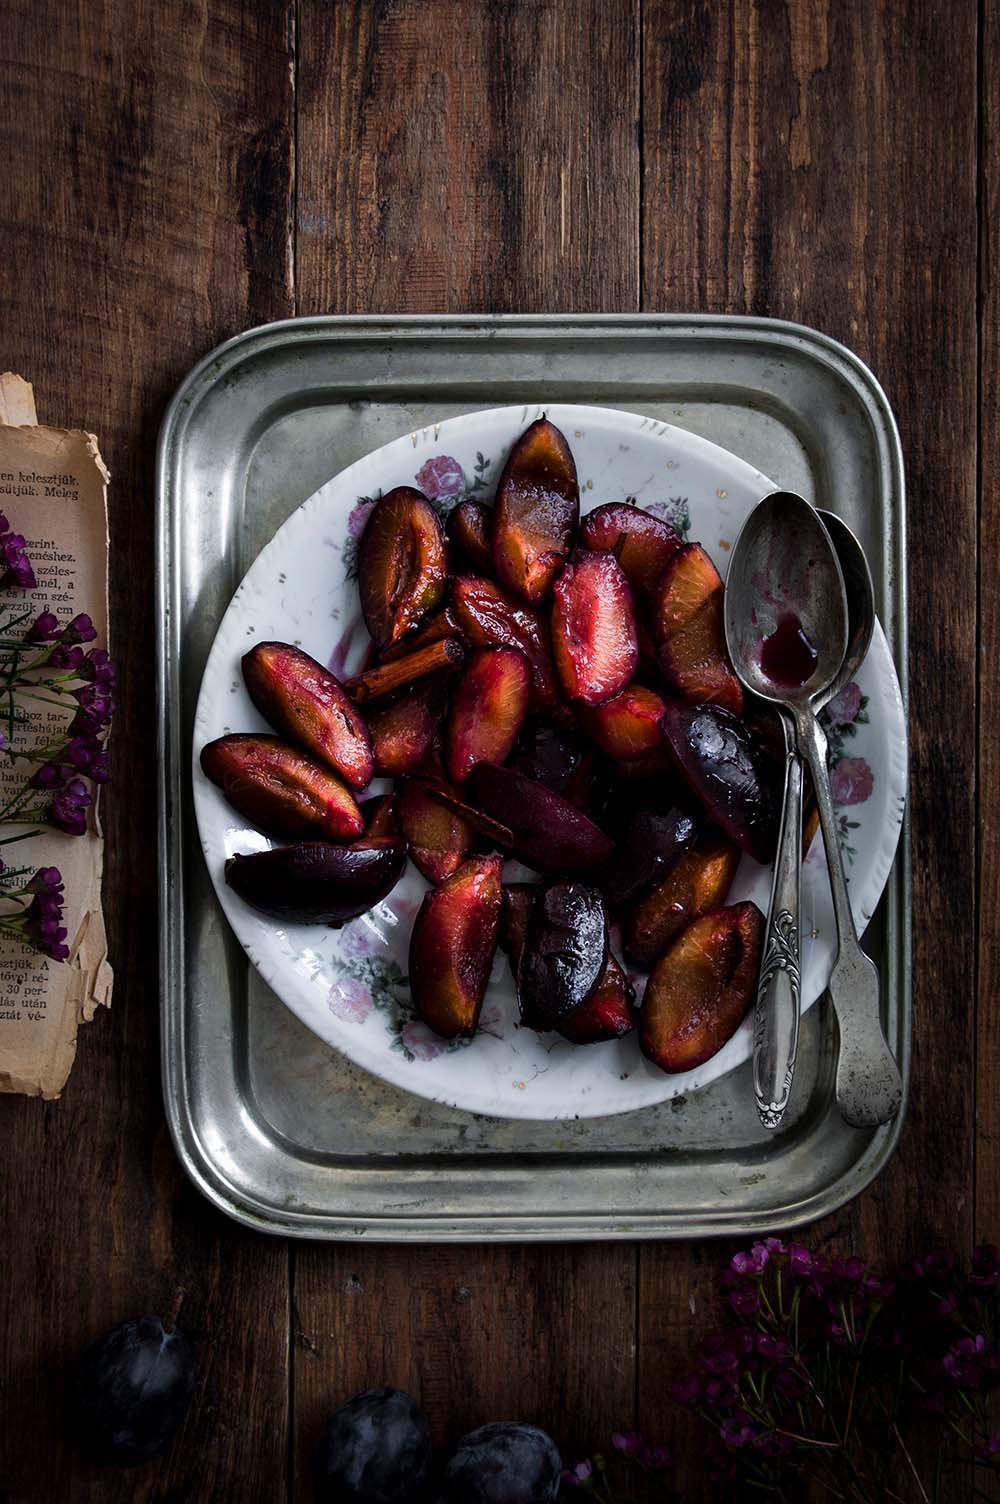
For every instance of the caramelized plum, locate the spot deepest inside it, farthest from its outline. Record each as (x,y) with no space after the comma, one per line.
(379,815)
(517,899)
(301,700)
(488,706)
(452,946)
(564,951)
(690,632)
(537,511)
(280,789)
(470,533)
(493,831)
(606,1012)
(402,564)
(439,839)
(725,769)
(699,992)
(642,543)
(648,846)
(399,673)
(549,833)
(697,882)
(314,882)
(403,728)
(487,617)
(627,727)
(594,640)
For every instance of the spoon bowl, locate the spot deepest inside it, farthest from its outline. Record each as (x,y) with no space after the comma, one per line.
(785,607)
(860,603)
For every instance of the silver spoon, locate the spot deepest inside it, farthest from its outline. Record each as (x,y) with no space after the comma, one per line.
(868,1088)
(786,630)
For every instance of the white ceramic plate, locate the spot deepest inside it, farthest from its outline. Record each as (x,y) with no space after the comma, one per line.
(349,985)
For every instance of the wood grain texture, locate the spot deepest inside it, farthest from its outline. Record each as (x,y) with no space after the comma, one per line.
(469,155)
(144,216)
(819,161)
(988,1014)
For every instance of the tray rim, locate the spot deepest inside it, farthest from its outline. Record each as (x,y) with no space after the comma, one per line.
(196,1159)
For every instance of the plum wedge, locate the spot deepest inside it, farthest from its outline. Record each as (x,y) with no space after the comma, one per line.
(452,945)
(594,640)
(649,843)
(403,727)
(438,838)
(487,617)
(642,543)
(690,633)
(565,948)
(402,564)
(302,701)
(488,707)
(315,882)
(627,727)
(726,769)
(697,882)
(286,793)
(470,533)
(606,1013)
(699,992)
(549,833)
(537,512)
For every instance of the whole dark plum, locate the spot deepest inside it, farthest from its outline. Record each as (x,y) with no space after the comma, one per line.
(374,1449)
(503,1463)
(130,1391)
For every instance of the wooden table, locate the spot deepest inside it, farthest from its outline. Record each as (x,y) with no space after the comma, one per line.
(177,172)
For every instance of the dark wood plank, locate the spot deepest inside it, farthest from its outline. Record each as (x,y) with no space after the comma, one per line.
(467,156)
(817,161)
(987,1017)
(144,216)
(462,159)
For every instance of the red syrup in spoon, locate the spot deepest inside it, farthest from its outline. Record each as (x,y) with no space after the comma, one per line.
(787,657)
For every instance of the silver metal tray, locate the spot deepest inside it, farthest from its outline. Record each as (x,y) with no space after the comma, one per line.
(273,1126)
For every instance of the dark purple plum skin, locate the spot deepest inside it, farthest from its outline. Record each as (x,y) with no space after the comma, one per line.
(725,768)
(503,1463)
(314,882)
(548,755)
(549,833)
(565,948)
(647,847)
(130,1392)
(374,1449)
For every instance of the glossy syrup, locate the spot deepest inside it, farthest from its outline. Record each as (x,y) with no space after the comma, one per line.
(787,656)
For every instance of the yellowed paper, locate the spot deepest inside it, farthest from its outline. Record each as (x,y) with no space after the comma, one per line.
(53,489)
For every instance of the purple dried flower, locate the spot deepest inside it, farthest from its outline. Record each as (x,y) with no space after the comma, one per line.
(4,524)
(68,659)
(98,667)
(49,776)
(18,570)
(44,628)
(45,880)
(628,1442)
(771,1348)
(772,1444)
(577,1475)
(849,1271)
(80,629)
(42,918)
(775,1247)
(80,751)
(801,1263)
(744,1298)
(935,1263)
(721,1393)
(737,1430)
(965,1361)
(985,1270)
(752,1262)
(99,767)
(69,807)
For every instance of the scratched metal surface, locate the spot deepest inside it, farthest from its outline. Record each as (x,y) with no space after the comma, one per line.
(272,1125)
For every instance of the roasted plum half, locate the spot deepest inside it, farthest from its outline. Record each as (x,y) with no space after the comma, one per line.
(627,727)
(594,640)
(697,882)
(699,991)
(648,845)
(690,631)
(404,727)
(607,1012)
(726,770)
(549,833)
(537,512)
(438,838)
(452,945)
(315,882)
(642,543)
(488,707)
(302,701)
(564,952)
(488,617)
(402,564)
(281,790)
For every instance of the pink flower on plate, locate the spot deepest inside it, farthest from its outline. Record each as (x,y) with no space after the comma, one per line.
(357,942)
(851,781)
(843,708)
(359,516)
(350,1000)
(421,1042)
(441,476)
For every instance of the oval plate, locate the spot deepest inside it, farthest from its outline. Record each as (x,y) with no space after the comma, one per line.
(349,985)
